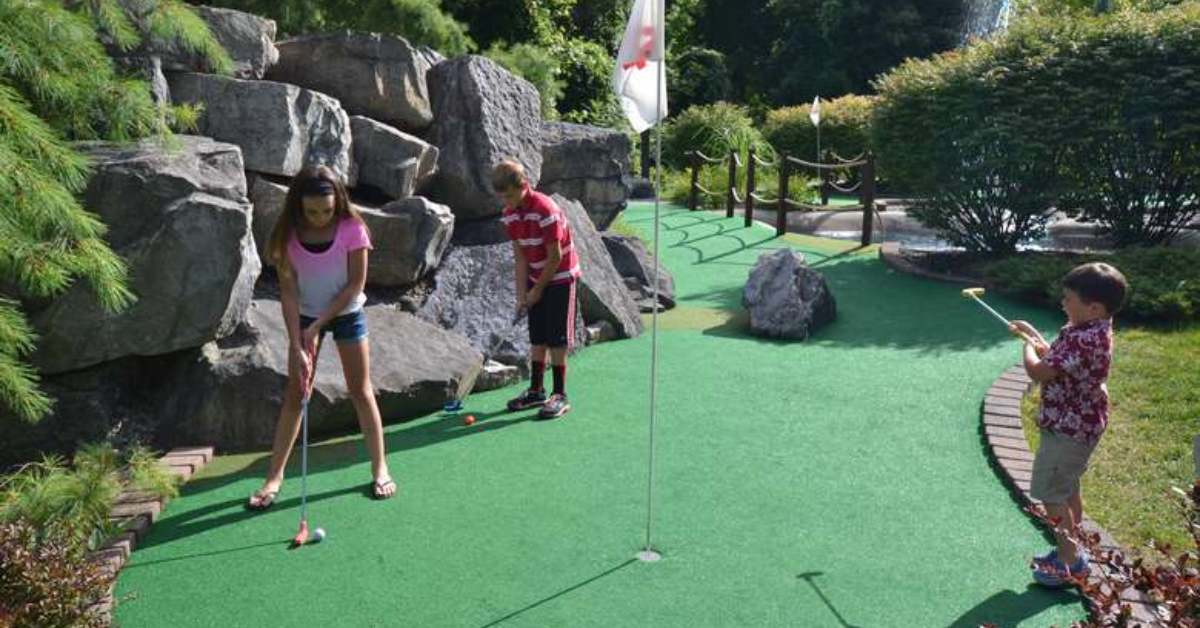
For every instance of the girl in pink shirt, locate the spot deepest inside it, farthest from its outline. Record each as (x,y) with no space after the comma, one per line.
(319,248)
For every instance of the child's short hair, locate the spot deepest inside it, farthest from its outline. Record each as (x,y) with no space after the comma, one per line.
(1098,283)
(507,175)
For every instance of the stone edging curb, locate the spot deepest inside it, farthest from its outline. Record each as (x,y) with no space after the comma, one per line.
(1000,421)
(135,512)
(889,253)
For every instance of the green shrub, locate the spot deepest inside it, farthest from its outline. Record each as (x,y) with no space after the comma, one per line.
(1164,282)
(1093,115)
(969,146)
(49,493)
(845,128)
(698,76)
(1134,164)
(714,130)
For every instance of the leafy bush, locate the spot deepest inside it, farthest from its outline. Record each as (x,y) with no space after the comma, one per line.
(951,130)
(845,128)
(1092,114)
(698,76)
(1134,164)
(1164,283)
(535,65)
(46,578)
(50,494)
(714,130)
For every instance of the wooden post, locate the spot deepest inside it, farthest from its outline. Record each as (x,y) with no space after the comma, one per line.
(781,207)
(730,200)
(866,196)
(695,181)
(825,177)
(750,169)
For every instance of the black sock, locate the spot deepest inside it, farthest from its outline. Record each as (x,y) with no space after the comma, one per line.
(537,372)
(560,379)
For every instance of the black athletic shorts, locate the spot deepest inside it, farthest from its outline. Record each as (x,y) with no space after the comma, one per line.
(552,318)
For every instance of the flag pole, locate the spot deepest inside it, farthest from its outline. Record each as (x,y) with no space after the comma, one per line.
(648,554)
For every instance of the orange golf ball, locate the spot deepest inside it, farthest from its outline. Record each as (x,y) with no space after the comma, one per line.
(470,420)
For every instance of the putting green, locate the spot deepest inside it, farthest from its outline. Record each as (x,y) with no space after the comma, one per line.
(836,482)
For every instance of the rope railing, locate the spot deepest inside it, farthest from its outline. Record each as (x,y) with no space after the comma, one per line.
(786,166)
(708,159)
(838,166)
(844,190)
(861,157)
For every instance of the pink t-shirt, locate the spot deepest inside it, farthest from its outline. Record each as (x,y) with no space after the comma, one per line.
(321,276)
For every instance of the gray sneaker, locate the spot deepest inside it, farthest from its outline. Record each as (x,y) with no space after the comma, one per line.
(556,406)
(529,399)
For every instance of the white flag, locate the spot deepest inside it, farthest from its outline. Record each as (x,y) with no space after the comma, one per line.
(814,114)
(639,77)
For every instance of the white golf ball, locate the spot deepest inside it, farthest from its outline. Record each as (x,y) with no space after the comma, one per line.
(319,534)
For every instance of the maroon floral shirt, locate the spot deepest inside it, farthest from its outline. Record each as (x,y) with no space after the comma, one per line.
(1075,404)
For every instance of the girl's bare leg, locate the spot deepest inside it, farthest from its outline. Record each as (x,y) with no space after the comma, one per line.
(356,365)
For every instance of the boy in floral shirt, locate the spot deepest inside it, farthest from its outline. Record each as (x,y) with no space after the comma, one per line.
(1074,412)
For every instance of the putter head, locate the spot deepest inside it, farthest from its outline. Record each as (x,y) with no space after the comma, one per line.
(302,536)
(972,293)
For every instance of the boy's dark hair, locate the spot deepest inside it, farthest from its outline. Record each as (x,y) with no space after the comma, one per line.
(1098,283)
(507,175)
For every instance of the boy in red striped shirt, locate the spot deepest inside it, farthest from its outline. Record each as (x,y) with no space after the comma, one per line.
(547,268)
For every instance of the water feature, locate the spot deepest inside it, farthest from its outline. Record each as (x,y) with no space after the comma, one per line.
(984,17)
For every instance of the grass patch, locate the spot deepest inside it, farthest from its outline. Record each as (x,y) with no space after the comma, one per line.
(1154,388)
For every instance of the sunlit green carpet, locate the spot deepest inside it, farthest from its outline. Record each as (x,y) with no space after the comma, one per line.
(837,482)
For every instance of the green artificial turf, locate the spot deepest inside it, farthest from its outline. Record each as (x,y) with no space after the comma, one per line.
(836,482)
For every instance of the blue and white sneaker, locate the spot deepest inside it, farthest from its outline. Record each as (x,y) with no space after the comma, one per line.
(1055,575)
(1052,555)
(556,406)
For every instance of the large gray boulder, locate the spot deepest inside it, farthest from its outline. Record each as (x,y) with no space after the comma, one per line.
(280,128)
(409,236)
(589,164)
(602,292)
(181,221)
(389,160)
(482,114)
(634,262)
(249,40)
(474,295)
(229,393)
(786,298)
(379,76)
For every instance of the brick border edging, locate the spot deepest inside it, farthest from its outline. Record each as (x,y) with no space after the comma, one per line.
(1000,422)
(136,511)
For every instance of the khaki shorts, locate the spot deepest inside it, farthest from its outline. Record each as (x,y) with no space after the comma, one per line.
(1057,468)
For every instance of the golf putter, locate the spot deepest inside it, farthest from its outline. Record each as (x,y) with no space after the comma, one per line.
(301,537)
(975,294)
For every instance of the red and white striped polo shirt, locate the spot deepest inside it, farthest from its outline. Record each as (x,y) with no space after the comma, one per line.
(536,221)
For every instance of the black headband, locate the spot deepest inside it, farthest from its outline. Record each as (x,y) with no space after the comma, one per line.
(316,187)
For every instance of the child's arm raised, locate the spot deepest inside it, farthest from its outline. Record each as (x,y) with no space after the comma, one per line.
(1037,369)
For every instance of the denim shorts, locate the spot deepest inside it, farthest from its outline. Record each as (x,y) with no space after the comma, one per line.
(346,329)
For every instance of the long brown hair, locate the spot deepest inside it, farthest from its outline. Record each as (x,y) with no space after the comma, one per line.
(292,216)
